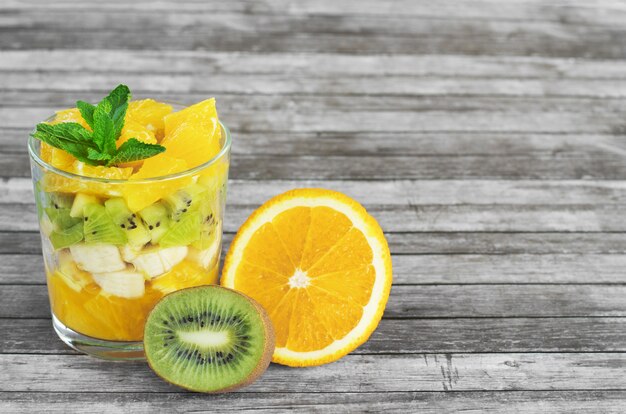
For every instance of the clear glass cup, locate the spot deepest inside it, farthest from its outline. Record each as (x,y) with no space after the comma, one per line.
(102,279)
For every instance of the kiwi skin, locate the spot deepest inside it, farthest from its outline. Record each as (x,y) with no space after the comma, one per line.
(268,351)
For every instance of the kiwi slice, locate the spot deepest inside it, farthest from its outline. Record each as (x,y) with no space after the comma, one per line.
(156,219)
(99,227)
(182,232)
(67,237)
(184,200)
(208,339)
(136,232)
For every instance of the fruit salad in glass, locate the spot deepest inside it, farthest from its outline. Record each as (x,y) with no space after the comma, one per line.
(130,198)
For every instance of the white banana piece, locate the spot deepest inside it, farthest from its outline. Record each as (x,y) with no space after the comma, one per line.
(155,262)
(125,284)
(128,253)
(206,258)
(97,258)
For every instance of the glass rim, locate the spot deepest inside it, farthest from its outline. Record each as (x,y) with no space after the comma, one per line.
(223,151)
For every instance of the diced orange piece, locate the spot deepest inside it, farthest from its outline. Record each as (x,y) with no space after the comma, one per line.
(150,114)
(140,195)
(204,113)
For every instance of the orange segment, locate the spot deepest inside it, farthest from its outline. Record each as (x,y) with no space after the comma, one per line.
(183,275)
(203,112)
(150,114)
(320,266)
(56,183)
(193,142)
(70,115)
(141,195)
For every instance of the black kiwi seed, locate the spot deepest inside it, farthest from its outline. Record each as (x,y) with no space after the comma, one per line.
(86,218)
(158,223)
(94,232)
(150,227)
(122,226)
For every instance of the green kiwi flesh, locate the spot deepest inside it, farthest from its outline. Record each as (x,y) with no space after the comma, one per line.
(99,227)
(208,339)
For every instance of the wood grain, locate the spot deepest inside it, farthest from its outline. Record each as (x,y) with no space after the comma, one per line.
(410,269)
(565,402)
(353,373)
(401,336)
(432,301)
(448,243)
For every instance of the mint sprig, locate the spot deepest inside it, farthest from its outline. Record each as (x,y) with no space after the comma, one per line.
(97,147)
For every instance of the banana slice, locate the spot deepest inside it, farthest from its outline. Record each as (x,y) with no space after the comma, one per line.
(155,262)
(206,258)
(125,284)
(97,258)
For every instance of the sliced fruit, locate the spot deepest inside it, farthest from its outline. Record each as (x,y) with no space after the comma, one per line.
(156,219)
(70,115)
(193,142)
(141,195)
(208,257)
(183,275)
(153,262)
(52,182)
(184,200)
(208,339)
(99,258)
(184,231)
(320,265)
(75,278)
(80,201)
(133,129)
(202,113)
(136,233)
(149,113)
(100,228)
(124,283)
(67,237)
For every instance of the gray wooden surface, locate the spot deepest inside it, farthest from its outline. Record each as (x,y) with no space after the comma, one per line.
(488,137)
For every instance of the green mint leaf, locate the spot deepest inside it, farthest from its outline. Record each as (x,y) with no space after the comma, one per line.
(98,147)
(86,110)
(96,155)
(135,150)
(104,129)
(118,99)
(68,136)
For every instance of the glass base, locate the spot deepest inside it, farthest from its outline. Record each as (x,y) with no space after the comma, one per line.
(99,348)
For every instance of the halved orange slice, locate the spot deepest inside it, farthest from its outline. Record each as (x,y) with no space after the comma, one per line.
(320,265)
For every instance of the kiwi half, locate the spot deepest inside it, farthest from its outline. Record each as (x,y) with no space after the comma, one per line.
(208,339)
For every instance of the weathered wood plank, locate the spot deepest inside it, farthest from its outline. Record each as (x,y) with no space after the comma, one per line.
(302,84)
(423,301)
(26,336)
(336,167)
(292,65)
(522,402)
(353,373)
(428,269)
(306,114)
(421,218)
(448,243)
(14,140)
(354,33)
(532,10)
(405,192)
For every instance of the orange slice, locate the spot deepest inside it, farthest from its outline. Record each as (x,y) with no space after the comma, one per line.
(203,112)
(141,195)
(149,113)
(193,142)
(320,265)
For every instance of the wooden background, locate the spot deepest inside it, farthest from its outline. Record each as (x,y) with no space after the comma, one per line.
(487,137)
